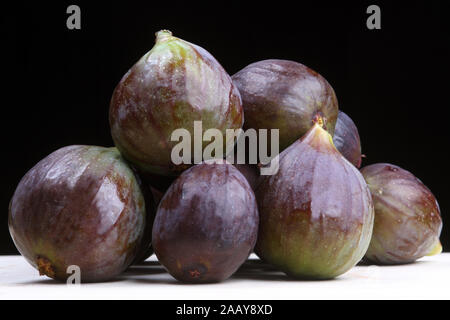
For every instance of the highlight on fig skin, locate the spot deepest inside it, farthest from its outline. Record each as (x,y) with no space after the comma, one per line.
(407,216)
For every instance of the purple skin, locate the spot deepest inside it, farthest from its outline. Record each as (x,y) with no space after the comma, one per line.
(81,205)
(206,224)
(316,212)
(407,216)
(346,139)
(170,87)
(285,95)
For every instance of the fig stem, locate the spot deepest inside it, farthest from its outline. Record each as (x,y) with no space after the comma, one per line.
(319,120)
(45,267)
(163,35)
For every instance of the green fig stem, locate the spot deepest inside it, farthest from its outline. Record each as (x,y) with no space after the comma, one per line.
(437,249)
(319,121)
(163,35)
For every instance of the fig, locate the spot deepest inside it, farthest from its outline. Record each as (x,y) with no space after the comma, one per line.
(285,95)
(82,206)
(346,139)
(206,224)
(407,216)
(170,87)
(316,211)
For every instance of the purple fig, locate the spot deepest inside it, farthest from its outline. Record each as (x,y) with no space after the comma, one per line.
(170,87)
(83,206)
(285,95)
(206,224)
(407,216)
(346,139)
(316,212)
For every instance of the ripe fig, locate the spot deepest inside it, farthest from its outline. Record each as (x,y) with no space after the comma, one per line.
(346,139)
(170,87)
(285,95)
(206,224)
(83,206)
(407,216)
(316,212)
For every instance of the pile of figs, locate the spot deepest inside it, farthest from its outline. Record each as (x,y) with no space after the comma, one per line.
(314,217)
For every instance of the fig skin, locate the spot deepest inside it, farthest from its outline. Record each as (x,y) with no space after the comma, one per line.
(407,216)
(346,139)
(170,87)
(206,224)
(316,212)
(285,95)
(81,205)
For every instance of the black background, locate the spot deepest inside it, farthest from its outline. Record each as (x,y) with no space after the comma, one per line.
(393,82)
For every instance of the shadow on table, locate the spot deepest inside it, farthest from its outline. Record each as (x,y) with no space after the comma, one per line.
(368,263)
(144,268)
(42,281)
(149,272)
(252,269)
(52,282)
(255,269)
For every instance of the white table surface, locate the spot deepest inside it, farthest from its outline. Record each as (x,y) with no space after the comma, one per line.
(428,278)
